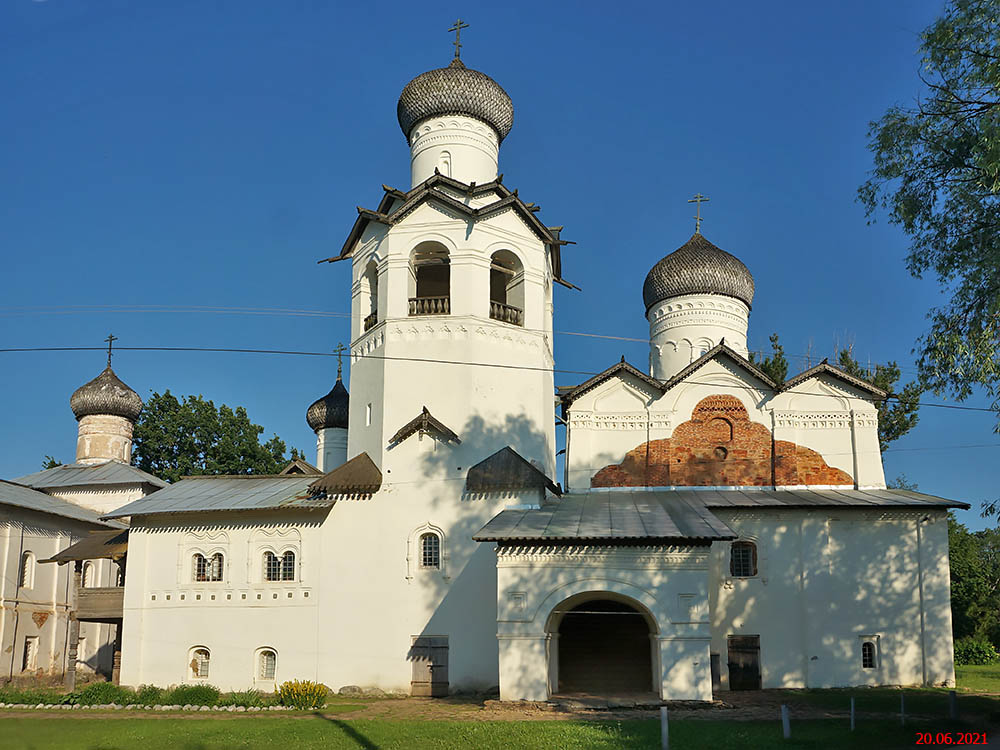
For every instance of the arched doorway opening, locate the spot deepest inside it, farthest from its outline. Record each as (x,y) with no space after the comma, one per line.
(604,645)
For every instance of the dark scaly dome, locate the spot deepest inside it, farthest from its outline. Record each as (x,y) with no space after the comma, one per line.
(698,267)
(106,394)
(455,90)
(331,410)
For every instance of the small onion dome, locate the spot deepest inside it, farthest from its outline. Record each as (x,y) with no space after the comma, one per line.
(106,395)
(698,267)
(331,410)
(455,90)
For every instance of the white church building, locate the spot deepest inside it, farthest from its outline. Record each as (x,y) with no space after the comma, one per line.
(713,530)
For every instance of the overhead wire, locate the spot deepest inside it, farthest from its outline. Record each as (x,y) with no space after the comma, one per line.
(292,352)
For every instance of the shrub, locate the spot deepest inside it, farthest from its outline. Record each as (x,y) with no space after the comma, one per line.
(302,694)
(972,650)
(149,695)
(245,698)
(97,693)
(195,695)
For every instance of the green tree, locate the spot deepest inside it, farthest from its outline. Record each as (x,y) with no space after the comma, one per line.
(50,463)
(937,174)
(975,581)
(897,415)
(775,364)
(175,438)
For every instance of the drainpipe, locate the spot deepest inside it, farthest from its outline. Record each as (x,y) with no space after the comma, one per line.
(920,588)
(17,604)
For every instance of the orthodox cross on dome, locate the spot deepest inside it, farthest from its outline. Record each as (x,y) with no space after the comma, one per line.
(339,351)
(699,199)
(110,339)
(457,28)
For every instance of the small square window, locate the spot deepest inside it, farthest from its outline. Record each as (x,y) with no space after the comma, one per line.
(153,598)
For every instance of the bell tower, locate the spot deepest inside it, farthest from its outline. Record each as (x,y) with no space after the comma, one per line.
(452,294)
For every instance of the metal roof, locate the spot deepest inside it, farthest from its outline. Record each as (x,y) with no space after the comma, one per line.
(94,546)
(77,475)
(606,516)
(359,476)
(507,470)
(624,514)
(215,493)
(19,496)
(805,498)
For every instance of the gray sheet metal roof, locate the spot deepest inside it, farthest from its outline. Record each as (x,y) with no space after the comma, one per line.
(607,516)
(94,546)
(76,475)
(215,493)
(805,498)
(20,496)
(602,515)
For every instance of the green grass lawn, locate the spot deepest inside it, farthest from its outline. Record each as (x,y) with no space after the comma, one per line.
(332,733)
(981,679)
(928,702)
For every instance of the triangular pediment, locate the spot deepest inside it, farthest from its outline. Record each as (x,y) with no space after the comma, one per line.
(731,360)
(622,371)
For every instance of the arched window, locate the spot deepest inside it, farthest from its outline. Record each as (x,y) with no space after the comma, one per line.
(288,566)
(506,288)
(430,280)
(272,567)
(444,163)
(89,577)
(868,658)
(199,568)
(267,663)
(215,567)
(743,560)
(430,551)
(198,665)
(26,576)
(369,286)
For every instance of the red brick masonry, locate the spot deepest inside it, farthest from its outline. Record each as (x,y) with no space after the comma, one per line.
(719,446)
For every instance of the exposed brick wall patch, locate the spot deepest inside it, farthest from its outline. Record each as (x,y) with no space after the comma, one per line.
(719,446)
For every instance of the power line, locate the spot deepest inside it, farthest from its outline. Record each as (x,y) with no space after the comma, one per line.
(294,312)
(292,352)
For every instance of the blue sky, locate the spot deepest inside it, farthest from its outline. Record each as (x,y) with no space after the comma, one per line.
(207,154)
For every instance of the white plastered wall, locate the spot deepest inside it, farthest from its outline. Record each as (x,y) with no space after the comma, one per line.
(825,582)
(670,584)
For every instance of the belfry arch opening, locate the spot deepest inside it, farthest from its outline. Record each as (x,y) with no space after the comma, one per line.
(430,280)
(602,644)
(369,289)
(506,288)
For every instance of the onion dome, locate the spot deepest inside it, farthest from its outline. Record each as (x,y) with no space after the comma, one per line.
(331,410)
(455,90)
(698,267)
(106,395)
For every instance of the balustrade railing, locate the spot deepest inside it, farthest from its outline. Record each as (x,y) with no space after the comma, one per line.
(430,305)
(371,320)
(506,313)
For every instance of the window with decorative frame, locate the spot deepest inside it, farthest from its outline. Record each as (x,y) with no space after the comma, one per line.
(267,664)
(279,568)
(743,559)
(26,577)
(207,569)
(430,551)
(199,663)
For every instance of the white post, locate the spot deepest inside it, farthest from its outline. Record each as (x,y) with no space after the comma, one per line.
(664,729)
(785,727)
(852,714)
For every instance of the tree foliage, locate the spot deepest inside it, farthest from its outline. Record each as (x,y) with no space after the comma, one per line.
(50,463)
(975,582)
(774,365)
(937,175)
(897,415)
(175,438)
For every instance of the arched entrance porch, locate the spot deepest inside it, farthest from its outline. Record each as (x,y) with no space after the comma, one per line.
(602,643)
